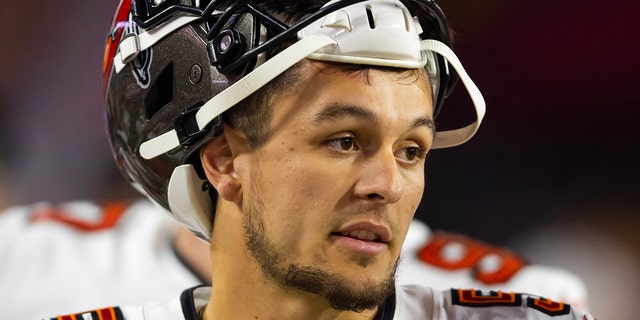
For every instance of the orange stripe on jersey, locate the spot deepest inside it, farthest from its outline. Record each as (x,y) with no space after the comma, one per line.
(112,313)
(549,304)
(110,215)
(68,317)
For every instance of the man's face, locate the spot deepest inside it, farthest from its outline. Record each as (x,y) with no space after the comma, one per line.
(329,197)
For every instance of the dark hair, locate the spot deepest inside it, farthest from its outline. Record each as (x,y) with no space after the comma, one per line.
(252,115)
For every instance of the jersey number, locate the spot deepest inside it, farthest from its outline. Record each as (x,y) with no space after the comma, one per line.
(477,298)
(472,253)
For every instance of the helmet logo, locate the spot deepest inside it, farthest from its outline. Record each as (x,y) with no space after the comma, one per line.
(122,26)
(140,68)
(141,64)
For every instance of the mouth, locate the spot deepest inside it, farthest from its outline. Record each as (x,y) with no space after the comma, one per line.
(363,238)
(365,231)
(364,235)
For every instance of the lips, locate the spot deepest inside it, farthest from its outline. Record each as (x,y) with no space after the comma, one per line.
(366,231)
(362,235)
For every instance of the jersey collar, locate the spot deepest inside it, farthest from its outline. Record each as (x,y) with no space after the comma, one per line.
(193,300)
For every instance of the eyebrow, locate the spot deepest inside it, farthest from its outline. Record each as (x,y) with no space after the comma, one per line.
(424,122)
(341,111)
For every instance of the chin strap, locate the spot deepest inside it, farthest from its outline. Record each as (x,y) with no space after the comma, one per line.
(452,138)
(189,200)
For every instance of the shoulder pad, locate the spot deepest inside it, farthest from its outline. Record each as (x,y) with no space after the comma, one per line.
(489,264)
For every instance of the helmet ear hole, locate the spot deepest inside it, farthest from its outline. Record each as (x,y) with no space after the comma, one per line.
(160,93)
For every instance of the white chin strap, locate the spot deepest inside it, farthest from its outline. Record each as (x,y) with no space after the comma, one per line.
(452,138)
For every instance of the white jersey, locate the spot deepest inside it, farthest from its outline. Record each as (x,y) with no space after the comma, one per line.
(80,256)
(443,260)
(410,302)
(58,259)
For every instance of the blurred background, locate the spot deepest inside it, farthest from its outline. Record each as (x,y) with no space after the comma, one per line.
(554,172)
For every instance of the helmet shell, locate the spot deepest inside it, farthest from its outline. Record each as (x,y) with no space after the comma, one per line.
(144,99)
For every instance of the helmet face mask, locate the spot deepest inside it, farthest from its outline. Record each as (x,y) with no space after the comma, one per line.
(172,69)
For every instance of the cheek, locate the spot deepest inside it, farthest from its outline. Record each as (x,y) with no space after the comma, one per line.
(414,191)
(418,189)
(307,179)
(295,192)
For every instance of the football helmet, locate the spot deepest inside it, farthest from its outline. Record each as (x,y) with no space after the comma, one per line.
(172,67)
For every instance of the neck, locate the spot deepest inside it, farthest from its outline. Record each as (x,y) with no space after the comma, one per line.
(262,302)
(195,253)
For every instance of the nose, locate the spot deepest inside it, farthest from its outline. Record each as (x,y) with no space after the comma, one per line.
(380,179)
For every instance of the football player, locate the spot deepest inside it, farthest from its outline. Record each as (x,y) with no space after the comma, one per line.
(292,136)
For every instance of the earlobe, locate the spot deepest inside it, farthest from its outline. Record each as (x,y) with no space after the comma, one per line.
(217,162)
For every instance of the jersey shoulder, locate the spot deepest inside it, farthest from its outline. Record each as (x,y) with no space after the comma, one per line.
(81,255)
(507,305)
(184,306)
(444,260)
(416,301)
(453,252)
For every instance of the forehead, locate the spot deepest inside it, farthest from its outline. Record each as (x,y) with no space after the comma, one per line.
(394,101)
(363,72)
(319,84)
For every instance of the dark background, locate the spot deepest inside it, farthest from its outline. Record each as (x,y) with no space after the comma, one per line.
(554,172)
(560,81)
(556,156)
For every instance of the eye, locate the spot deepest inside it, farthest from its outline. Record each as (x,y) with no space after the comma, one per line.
(412,154)
(343,144)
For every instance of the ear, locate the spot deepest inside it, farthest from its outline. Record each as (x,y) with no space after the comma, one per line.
(217,162)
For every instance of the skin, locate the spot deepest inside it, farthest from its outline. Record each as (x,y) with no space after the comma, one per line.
(194,252)
(345,154)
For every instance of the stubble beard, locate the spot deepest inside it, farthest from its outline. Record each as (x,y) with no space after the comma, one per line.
(334,287)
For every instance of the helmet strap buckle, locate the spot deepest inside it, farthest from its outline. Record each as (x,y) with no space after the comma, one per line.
(187,129)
